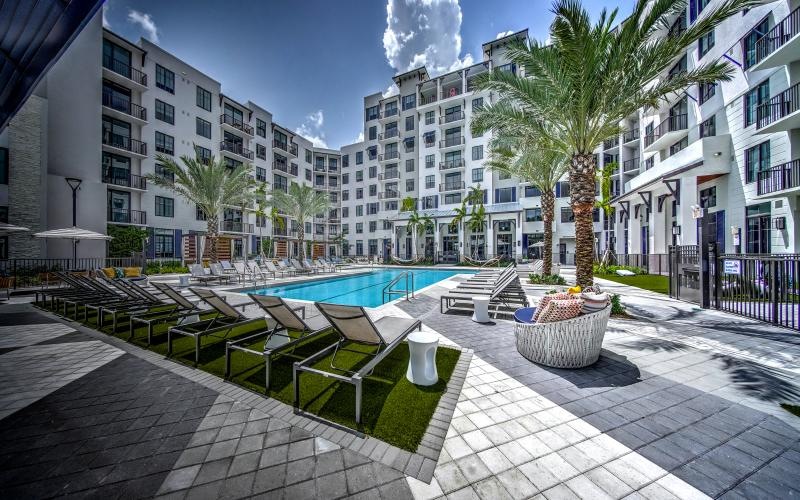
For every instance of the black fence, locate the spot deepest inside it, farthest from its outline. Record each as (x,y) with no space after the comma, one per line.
(37,272)
(653,263)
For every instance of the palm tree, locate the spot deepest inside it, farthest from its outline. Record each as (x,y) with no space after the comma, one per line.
(477,219)
(210,185)
(532,159)
(300,203)
(604,203)
(417,224)
(261,210)
(579,87)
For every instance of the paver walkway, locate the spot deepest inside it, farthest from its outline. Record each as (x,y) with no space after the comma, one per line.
(685,407)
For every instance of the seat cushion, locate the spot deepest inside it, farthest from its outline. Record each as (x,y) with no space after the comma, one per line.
(545,300)
(132,272)
(392,327)
(109,272)
(560,310)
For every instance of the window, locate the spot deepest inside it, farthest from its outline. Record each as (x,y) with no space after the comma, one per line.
(503,175)
(430,181)
(452,198)
(373,172)
(372,133)
(203,128)
(3,165)
(203,98)
(261,127)
(165,207)
(409,123)
(164,242)
(409,101)
(345,230)
(708,197)
(704,44)
(345,211)
(533,215)
(567,215)
(678,146)
(410,165)
(345,194)
(409,184)
(477,104)
(165,79)
(162,172)
(359,157)
(261,174)
(165,112)
(562,189)
(706,91)
(532,191)
(345,178)
(372,208)
(753,100)
(756,159)
(280,182)
(199,214)
(308,156)
(232,164)
(359,193)
(429,138)
(372,152)
(373,225)
(359,210)
(505,195)
(371,113)
(430,117)
(409,143)
(749,42)
(359,175)
(477,175)
(477,152)
(165,143)
(430,161)
(373,190)
(261,151)
(758,228)
(709,127)
(203,154)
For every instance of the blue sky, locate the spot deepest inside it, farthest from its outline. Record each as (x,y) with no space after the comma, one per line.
(311,62)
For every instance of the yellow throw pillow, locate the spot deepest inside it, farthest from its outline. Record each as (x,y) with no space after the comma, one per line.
(132,272)
(574,289)
(109,272)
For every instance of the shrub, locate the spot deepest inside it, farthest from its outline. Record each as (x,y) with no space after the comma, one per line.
(609,269)
(165,267)
(546,279)
(616,305)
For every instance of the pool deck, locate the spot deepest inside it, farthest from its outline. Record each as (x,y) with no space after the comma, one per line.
(683,403)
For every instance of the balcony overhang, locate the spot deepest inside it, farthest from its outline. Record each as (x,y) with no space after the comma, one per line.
(786,54)
(666,140)
(784,124)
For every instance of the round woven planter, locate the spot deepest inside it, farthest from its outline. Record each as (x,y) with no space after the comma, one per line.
(573,343)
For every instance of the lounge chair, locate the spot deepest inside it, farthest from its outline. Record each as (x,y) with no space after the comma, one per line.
(502,294)
(184,309)
(140,301)
(330,265)
(320,268)
(218,272)
(257,272)
(355,327)
(286,320)
(227,267)
(275,270)
(226,319)
(198,273)
(302,268)
(243,273)
(284,267)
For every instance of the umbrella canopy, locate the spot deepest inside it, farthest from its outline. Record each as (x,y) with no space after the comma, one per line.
(72,233)
(10,228)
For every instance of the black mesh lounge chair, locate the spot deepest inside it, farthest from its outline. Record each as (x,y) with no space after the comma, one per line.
(226,319)
(183,310)
(105,295)
(138,299)
(355,327)
(286,320)
(75,288)
(198,273)
(504,294)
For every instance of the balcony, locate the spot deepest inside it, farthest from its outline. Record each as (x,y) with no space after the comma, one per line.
(611,143)
(391,155)
(234,226)
(630,135)
(120,107)
(389,134)
(451,142)
(451,118)
(424,100)
(451,92)
(781,113)
(631,165)
(780,178)
(284,233)
(116,142)
(286,147)
(451,186)
(387,114)
(781,46)
(126,216)
(232,124)
(452,164)
(122,177)
(390,175)
(236,148)
(121,73)
(389,195)
(668,132)
(320,168)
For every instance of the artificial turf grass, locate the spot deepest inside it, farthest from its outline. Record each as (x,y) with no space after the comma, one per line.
(653,282)
(393,409)
(793,409)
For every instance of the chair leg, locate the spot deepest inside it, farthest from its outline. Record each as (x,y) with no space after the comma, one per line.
(196,350)
(268,370)
(169,342)
(227,360)
(358,401)
(296,384)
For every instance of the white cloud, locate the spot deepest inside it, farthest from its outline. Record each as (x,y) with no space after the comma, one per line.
(503,34)
(106,24)
(145,22)
(360,137)
(391,90)
(311,129)
(424,32)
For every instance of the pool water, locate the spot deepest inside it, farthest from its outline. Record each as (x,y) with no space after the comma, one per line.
(359,290)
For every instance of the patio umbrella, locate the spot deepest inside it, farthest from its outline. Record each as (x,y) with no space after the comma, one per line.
(10,228)
(75,234)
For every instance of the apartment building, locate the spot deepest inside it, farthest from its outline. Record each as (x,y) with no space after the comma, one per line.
(132,102)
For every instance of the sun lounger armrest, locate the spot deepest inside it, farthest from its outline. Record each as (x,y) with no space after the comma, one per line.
(367,368)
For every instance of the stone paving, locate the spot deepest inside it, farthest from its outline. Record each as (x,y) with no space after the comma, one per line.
(682,404)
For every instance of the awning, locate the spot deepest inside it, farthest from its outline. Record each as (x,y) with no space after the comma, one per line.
(72,233)
(10,228)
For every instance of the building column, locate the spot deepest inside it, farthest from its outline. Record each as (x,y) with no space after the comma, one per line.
(437,242)
(518,249)
(658,229)
(438,89)
(684,217)
(490,237)
(634,231)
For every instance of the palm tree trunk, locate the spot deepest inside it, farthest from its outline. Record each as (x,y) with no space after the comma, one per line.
(582,186)
(301,236)
(548,210)
(212,228)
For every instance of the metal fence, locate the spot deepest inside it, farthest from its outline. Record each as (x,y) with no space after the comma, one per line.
(654,263)
(35,272)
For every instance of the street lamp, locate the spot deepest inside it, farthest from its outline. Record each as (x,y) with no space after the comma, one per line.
(74,184)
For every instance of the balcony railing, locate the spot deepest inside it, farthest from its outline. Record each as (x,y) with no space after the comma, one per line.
(427,100)
(451,117)
(125,70)
(320,168)
(392,174)
(611,143)
(233,226)
(451,186)
(451,92)
(235,123)
(670,124)
(389,195)
(127,216)
(389,134)
(777,36)
(629,165)
(123,177)
(448,164)
(123,105)
(236,148)
(391,155)
(388,113)
(785,176)
(287,233)
(123,142)
(451,141)
(779,107)
(630,135)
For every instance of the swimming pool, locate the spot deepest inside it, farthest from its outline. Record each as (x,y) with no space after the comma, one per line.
(358,290)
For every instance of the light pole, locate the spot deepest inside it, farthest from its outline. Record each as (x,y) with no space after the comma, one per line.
(74,184)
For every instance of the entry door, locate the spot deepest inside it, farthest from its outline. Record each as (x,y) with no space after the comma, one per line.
(645,240)
(562,253)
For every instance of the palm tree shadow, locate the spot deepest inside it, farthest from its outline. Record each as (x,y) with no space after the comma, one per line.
(759,381)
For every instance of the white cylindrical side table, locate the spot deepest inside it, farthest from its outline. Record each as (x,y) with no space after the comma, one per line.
(422,360)
(183,281)
(481,306)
